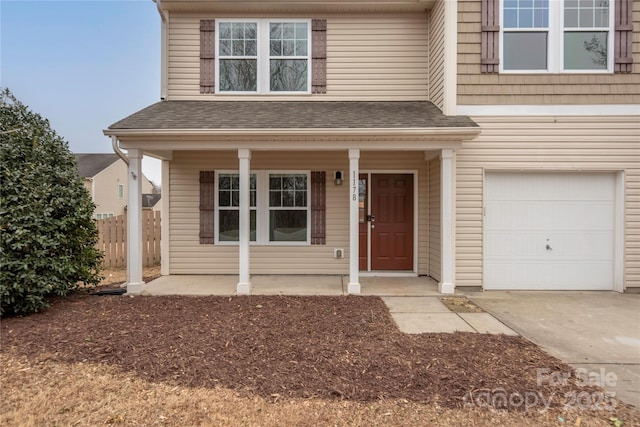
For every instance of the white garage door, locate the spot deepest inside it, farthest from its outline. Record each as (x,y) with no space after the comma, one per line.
(551,231)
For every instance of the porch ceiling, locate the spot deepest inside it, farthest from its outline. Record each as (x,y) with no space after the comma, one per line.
(282,120)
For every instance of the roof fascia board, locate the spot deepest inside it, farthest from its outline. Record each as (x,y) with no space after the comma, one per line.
(316,132)
(309,145)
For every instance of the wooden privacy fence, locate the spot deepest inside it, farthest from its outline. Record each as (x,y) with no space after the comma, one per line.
(113,239)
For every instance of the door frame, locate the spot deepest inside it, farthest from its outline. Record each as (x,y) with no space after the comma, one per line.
(414,172)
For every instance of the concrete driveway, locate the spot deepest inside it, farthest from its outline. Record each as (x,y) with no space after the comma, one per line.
(596,332)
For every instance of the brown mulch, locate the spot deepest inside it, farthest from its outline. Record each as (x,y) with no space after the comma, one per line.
(279,346)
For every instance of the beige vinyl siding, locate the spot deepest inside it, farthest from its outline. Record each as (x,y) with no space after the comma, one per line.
(188,256)
(435,260)
(436,54)
(545,143)
(369,57)
(475,88)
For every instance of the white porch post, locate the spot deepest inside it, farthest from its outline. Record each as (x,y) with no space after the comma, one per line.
(165,268)
(354,265)
(135,284)
(244,283)
(447,222)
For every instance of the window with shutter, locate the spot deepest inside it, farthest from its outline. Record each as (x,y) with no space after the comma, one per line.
(546,36)
(282,56)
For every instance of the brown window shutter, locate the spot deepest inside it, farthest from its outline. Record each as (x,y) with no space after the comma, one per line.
(207,55)
(207,206)
(318,208)
(319,56)
(490,60)
(623,54)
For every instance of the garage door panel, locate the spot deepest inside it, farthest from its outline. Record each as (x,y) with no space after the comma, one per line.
(578,246)
(549,215)
(509,276)
(564,186)
(571,213)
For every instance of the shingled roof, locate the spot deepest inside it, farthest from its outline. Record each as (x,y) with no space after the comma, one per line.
(91,164)
(174,115)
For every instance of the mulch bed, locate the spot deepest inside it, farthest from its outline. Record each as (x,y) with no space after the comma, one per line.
(281,346)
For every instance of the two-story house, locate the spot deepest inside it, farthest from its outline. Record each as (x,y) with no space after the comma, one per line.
(105,177)
(482,143)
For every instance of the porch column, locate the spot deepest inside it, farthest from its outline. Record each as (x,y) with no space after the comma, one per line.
(135,284)
(354,265)
(165,269)
(447,222)
(244,283)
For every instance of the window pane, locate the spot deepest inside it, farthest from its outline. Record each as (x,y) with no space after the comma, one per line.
(238,75)
(224,182)
(224,198)
(585,50)
(275,198)
(238,48)
(288,75)
(275,31)
(511,18)
(288,199)
(301,199)
(525,51)
(288,182)
(276,48)
(225,30)
(228,229)
(275,182)
(235,198)
(571,18)
(225,47)
(288,226)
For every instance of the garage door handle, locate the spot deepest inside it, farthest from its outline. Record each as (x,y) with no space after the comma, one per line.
(549,248)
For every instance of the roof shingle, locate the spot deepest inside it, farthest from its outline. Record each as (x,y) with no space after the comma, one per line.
(172,115)
(91,164)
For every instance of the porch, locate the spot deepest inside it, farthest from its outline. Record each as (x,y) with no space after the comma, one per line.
(291,285)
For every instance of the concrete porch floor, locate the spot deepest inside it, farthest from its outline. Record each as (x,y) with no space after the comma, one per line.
(291,285)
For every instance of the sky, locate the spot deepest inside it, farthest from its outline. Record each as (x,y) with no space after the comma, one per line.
(82,64)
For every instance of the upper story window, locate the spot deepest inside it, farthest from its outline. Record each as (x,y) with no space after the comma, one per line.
(557,36)
(263,56)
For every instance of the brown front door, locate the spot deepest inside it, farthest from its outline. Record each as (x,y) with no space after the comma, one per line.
(391,222)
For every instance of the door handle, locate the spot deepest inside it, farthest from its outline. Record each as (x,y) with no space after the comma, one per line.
(549,248)
(371,218)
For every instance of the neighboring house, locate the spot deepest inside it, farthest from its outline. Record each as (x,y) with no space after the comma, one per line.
(482,143)
(105,177)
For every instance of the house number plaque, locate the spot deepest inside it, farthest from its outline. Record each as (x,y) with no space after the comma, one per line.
(354,187)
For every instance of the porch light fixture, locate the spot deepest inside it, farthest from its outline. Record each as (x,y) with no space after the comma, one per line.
(337,177)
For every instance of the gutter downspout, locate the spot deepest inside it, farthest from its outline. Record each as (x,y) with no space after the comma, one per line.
(118,151)
(163,50)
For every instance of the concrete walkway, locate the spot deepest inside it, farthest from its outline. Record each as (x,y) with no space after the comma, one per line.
(598,332)
(417,315)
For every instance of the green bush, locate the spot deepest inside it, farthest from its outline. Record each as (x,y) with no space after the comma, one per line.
(47,233)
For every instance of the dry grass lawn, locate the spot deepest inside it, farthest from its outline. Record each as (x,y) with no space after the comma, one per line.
(84,394)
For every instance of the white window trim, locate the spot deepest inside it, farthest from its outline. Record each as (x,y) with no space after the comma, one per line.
(555,39)
(263,56)
(262,208)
